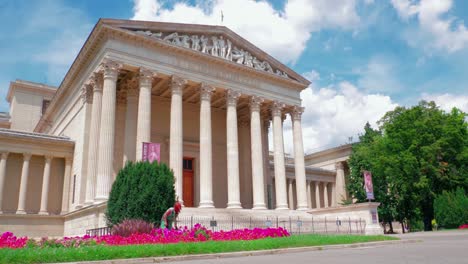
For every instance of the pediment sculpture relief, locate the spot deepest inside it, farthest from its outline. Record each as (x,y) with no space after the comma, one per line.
(217,46)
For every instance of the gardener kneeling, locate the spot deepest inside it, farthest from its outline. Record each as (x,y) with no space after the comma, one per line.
(170,216)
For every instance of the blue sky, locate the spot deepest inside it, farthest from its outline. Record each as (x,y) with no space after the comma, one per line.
(364,57)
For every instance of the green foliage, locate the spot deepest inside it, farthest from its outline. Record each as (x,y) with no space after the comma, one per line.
(104,252)
(451,208)
(415,154)
(142,190)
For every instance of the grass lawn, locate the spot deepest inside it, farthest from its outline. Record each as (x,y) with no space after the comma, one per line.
(101,252)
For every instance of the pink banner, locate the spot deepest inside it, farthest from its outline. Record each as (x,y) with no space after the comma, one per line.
(151,152)
(368,185)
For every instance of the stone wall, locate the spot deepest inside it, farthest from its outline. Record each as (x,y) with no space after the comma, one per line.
(35,226)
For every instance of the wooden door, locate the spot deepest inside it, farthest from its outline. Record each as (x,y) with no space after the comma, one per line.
(188,182)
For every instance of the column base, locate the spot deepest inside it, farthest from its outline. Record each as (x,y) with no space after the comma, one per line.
(302,208)
(100,199)
(234,206)
(282,207)
(206,204)
(259,207)
(43,213)
(20,212)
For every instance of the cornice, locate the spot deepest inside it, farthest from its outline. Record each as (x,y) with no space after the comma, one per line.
(30,87)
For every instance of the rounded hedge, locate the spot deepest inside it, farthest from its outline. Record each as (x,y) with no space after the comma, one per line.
(142,190)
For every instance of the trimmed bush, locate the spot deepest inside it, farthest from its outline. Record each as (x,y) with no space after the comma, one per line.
(132,226)
(451,208)
(142,190)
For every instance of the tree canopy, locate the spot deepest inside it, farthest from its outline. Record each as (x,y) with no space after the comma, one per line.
(414,155)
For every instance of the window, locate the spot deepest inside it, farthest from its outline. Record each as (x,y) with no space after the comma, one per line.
(188,164)
(45,104)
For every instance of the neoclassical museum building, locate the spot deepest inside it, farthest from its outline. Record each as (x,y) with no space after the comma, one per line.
(205,94)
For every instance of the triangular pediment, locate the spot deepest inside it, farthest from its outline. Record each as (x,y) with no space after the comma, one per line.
(216,41)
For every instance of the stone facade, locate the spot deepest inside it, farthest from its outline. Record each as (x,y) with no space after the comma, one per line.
(128,85)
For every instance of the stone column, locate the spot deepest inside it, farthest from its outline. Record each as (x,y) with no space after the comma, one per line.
(107,130)
(45,185)
(131,123)
(317,195)
(309,195)
(206,158)
(325,194)
(23,184)
(333,194)
(93,147)
(266,162)
(232,150)
(176,138)
(280,170)
(258,181)
(290,194)
(340,185)
(66,185)
(144,111)
(3,160)
(299,166)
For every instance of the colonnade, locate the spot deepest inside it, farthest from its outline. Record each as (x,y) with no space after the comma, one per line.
(102,129)
(23,190)
(320,194)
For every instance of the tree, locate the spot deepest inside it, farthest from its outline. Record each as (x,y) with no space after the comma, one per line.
(142,190)
(450,208)
(415,154)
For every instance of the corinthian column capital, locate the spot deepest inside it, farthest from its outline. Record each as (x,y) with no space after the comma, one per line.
(27,156)
(4,155)
(87,93)
(296,112)
(206,91)
(232,97)
(339,165)
(110,69)
(255,103)
(96,81)
(177,84)
(277,108)
(146,77)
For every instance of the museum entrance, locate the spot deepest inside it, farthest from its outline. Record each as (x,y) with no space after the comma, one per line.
(188,181)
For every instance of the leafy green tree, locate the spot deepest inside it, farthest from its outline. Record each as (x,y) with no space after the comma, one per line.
(451,208)
(142,190)
(415,154)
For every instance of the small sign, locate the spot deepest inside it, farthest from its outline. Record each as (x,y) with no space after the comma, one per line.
(213,223)
(374,216)
(369,187)
(268,223)
(299,223)
(151,152)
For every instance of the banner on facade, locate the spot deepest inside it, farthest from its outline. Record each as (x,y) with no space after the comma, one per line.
(368,185)
(151,152)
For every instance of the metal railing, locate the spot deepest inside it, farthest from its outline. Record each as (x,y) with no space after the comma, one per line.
(294,225)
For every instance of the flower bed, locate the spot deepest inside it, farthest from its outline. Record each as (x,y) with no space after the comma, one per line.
(157,236)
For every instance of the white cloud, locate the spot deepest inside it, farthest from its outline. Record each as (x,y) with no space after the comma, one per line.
(333,114)
(380,74)
(447,101)
(284,33)
(438,30)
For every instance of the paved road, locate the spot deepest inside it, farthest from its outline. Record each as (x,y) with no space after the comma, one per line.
(439,247)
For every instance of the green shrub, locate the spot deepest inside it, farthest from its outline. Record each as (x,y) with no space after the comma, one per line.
(451,208)
(142,190)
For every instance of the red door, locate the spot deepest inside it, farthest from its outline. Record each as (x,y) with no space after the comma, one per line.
(188,182)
